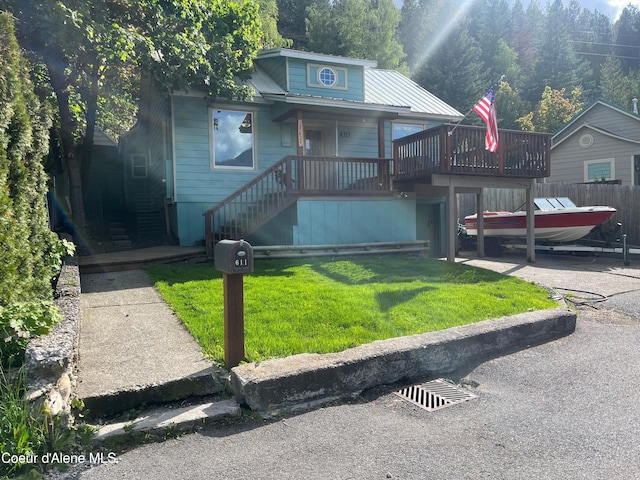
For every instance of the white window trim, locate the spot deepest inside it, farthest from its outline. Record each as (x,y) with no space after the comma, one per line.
(611,161)
(314,80)
(212,155)
(133,165)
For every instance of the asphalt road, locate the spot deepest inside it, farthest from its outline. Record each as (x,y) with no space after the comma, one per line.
(568,409)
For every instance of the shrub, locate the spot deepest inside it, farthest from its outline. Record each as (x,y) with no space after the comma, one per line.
(31,253)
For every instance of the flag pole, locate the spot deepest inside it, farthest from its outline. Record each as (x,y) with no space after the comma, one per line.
(471,109)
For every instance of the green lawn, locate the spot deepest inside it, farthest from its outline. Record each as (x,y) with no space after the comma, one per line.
(325,305)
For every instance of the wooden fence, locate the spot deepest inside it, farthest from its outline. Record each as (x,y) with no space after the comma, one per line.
(624,198)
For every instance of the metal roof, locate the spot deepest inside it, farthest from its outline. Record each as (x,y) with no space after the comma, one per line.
(389,87)
(383,88)
(263,84)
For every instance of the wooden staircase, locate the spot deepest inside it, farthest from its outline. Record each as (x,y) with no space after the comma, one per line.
(253,205)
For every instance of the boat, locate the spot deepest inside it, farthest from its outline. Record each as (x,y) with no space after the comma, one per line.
(556,219)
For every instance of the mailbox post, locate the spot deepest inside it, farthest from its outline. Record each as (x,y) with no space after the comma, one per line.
(234,259)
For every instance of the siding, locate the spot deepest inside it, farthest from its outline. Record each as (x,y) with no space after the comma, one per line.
(197,184)
(567,159)
(610,119)
(325,222)
(158,146)
(358,141)
(298,81)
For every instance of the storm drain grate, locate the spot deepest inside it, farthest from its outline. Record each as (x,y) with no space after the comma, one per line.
(435,395)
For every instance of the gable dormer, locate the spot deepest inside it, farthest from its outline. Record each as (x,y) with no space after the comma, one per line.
(315,74)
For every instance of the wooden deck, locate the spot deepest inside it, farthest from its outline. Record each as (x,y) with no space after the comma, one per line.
(136,258)
(460,150)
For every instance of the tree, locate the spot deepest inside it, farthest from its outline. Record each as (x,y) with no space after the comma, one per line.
(29,249)
(614,85)
(269,18)
(491,23)
(553,110)
(292,18)
(356,28)
(627,33)
(183,44)
(419,28)
(454,72)
(558,66)
(510,106)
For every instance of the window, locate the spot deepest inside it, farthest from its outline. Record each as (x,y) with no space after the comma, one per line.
(598,170)
(327,77)
(138,166)
(233,138)
(403,129)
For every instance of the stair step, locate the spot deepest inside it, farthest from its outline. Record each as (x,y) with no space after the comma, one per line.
(117,231)
(119,237)
(123,243)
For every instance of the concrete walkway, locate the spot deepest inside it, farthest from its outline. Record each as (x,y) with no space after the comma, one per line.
(133,350)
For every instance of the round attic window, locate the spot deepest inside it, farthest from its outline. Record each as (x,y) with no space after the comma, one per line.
(327,77)
(586,140)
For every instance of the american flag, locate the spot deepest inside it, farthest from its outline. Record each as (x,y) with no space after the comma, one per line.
(486,108)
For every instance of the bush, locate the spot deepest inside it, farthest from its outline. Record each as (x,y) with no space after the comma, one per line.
(31,253)
(29,430)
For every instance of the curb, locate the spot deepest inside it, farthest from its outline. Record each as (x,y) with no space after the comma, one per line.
(304,380)
(207,382)
(159,423)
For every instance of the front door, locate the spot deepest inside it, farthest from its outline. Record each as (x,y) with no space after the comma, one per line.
(313,142)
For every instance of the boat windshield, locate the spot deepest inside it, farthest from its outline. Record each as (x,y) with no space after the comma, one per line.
(551,203)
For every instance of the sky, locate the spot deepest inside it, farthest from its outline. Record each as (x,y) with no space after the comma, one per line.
(612,8)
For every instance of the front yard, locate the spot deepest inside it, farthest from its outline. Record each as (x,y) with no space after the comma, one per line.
(329,305)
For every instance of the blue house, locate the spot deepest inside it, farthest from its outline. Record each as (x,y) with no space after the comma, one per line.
(328,150)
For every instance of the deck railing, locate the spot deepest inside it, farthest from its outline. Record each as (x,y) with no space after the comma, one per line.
(461,150)
(251,206)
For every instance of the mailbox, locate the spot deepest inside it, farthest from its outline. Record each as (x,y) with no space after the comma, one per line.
(233,256)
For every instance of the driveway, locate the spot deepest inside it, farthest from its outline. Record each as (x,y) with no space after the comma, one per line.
(566,409)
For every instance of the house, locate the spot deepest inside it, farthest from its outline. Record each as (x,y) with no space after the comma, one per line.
(601,143)
(329,150)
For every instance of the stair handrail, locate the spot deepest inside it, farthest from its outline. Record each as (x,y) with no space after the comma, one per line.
(280,172)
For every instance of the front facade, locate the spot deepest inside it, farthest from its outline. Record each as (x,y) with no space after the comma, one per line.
(600,144)
(329,150)
(340,114)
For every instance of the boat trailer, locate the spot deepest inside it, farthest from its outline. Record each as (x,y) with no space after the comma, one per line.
(611,244)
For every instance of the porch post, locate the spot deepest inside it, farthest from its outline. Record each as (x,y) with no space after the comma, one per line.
(381,145)
(452,223)
(531,239)
(480,225)
(300,132)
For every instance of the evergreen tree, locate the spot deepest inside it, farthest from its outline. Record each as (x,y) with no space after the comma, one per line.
(29,249)
(627,34)
(419,28)
(558,66)
(614,85)
(292,20)
(356,28)
(454,72)
(491,24)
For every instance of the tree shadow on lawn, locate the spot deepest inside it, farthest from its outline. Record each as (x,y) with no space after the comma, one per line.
(392,298)
(402,270)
